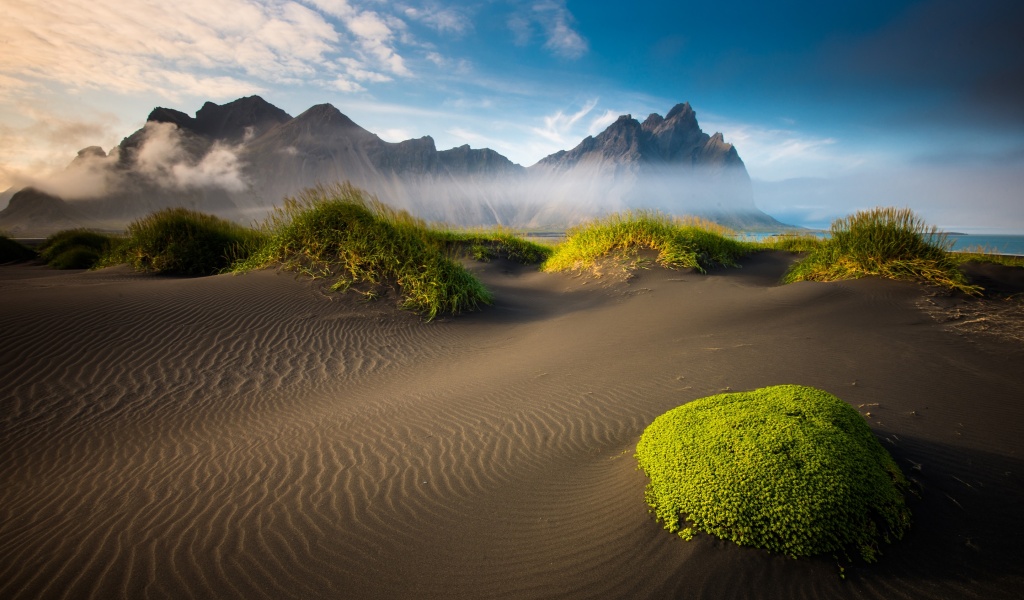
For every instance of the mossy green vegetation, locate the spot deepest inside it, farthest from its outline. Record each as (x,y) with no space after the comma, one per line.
(76,248)
(340,232)
(179,241)
(787,468)
(679,242)
(12,251)
(887,242)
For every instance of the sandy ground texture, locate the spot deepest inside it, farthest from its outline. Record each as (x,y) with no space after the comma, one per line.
(255,437)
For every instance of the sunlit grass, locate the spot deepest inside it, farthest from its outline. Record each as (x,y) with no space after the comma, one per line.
(887,242)
(341,233)
(687,242)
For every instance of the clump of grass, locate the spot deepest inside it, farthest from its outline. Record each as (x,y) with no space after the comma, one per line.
(886,242)
(983,256)
(179,241)
(680,243)
(340,232)
(12,251)
(788,468)
(75,248)
(485,244)
(792,243)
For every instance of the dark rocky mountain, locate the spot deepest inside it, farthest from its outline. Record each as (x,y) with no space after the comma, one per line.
(33,213)
(675,140)
(241,158)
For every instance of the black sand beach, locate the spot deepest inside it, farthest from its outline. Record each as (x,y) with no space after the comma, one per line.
(251,436)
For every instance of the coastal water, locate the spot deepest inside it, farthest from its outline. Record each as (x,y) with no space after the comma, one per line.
(990,244)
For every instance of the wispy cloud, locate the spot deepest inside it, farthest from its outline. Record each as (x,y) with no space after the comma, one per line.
(444,19)
(555,23)
(196,48)
(773,154)
(560,127)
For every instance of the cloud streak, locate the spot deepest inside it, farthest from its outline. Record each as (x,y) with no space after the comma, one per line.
(555,24)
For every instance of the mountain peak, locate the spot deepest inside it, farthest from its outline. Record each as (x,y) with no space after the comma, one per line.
(683,109)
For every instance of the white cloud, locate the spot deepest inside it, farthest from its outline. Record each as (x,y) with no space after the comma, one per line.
(343,84)
(164,160)
(394,134)
(560,127)
(602,121)
(774,154)
(556,24)
(445,20)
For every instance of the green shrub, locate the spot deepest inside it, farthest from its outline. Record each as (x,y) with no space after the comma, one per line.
(787,468)
(680,243)
(179,241)
(887,242)
(75,249)
(12,251)
(340,232)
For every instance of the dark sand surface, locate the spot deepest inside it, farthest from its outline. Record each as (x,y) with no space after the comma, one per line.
(252,437)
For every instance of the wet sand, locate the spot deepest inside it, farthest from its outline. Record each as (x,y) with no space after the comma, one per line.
(252,436)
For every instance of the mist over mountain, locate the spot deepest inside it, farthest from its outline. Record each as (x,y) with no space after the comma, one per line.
(242,158)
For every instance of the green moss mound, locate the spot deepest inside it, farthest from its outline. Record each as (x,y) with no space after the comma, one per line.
(687,242)
(12,251)
(886,242)
(342,233)
(788,468)
(178,241)
(75,249)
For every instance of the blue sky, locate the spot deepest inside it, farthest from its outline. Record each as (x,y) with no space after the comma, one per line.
(834,106)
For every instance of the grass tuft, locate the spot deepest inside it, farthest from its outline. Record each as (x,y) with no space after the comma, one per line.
(788,468)
(341,232)
(76,249)
(792,243)
(680,242)
(886,242)
(178,241)
(12,251)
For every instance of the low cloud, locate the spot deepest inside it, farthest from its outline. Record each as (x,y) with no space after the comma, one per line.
(164,159)
(975,198)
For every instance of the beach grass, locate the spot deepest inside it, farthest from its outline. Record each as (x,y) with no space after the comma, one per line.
(788,468)
(680,242)
(76,248)
(485,244)
(179,241)
(13,251)
(981,255)
(343,233)
(792,243)
(887,242)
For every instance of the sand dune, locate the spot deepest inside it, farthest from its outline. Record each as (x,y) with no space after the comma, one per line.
(254,437)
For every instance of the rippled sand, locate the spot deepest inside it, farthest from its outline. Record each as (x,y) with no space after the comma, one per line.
(252,436)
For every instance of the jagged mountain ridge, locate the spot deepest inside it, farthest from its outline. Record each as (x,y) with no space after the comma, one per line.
(241,158)
(675,140)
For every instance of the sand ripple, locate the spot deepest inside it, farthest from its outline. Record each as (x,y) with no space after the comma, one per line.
(251,437)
